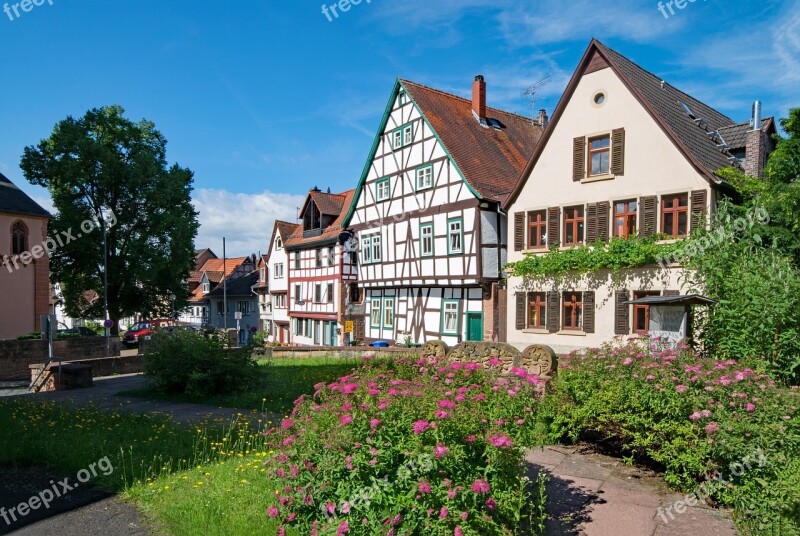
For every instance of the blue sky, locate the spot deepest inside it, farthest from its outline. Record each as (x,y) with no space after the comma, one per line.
(264,99)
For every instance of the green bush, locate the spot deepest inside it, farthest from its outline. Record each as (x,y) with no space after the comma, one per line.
(189,363)
(413,447)
(32,336)
(695,418)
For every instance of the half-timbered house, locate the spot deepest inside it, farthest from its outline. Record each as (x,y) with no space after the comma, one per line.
(319,271)
(426,215)
(277,264)
(625,154)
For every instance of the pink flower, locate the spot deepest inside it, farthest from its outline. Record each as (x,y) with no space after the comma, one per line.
(627,361)
(443,513)
(286,424)
(373,423)
(470,439)
(464,515)
(533,379)
(344,528)
(424,487)
(346,419)
(500,442)
(712,428)
(750,407)
(481,486)
(349,388)
(273,512)
(494,362)
(447,404)
(421,426)
(490,504)
(681,388)
(458,532)
(441,414)
(331,508)
(440,450)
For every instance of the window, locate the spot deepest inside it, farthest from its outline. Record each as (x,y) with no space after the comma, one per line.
(537,229)
(280,301)
(317,293)
(297,293)
(450,317)
(376,248)
(278,270)
(307,326)
(366,250)
(455,236)
(220,308)
(243,307)
(402,98)
(674,215)
(375,313)
(318,258)
(573,226)
(330,293)
(426,240)
(297,261)
(625,218)
(263,274)
(278,243)
(331,256)
(317,332)
(599,155)
(206,288)
(388,313)
(425,177)
(573,311)
(537,310)
(19,238)
(402,136)
(383,189)
(641,313)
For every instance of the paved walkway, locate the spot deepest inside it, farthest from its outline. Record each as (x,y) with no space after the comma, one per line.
(594,495)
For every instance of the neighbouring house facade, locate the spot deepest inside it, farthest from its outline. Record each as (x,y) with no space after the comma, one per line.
(24,278)
(319,272)
(624,154)
(277,264)
(233,304)
(208,276)
(427,218)
(261,289)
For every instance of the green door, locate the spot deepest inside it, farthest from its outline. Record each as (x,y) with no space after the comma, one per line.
(475,326)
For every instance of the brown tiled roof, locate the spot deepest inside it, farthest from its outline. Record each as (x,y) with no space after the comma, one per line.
(666,103)
(214,267)
(491,159)
(286,229)
(296,240)
(328,204)
(736,135)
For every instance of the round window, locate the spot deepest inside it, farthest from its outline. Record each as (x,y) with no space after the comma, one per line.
(600,99)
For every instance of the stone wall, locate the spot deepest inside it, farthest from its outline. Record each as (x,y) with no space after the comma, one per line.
(104,366)
(17,356)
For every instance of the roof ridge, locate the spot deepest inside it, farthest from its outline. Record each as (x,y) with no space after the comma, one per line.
(453,95)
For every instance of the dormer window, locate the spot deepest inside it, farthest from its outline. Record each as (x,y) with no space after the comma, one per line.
(206,288)
(278,243)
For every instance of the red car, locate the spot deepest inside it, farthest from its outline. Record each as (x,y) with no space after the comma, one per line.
(132,336)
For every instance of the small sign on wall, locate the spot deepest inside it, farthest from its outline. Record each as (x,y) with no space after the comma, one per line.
(349,326)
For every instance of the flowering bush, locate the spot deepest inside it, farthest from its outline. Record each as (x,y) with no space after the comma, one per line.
(408,447)
(700,420)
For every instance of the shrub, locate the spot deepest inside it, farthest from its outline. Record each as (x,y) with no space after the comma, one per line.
(32,336)
(697,419)
(410,448)
(189,363)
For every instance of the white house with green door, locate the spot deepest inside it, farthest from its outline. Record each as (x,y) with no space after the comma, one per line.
(432,239)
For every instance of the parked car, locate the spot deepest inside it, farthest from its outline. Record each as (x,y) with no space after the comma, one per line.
(136,332)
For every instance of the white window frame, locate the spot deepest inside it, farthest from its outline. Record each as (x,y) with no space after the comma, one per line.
(451,233)
(423,227)
(425,173)
(383,189)
(387,307)
(451,308)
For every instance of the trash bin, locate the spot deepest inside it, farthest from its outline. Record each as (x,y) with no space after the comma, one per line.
(380,344)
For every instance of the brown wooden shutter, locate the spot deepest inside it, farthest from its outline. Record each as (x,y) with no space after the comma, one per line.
(521,306)
(603,216)
(519,231)
(699,209)
(591,223)
(648,217)
(618,151)
(579,159)
(622,320)
(553,316)
(553,226)
(588,312)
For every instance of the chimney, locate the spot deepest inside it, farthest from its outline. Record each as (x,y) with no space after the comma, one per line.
(756,146)
(542,120)
(479,97)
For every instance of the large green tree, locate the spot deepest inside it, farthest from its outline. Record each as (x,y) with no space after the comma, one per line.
(107,169)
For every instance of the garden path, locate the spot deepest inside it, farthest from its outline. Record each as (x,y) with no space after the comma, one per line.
(591,494)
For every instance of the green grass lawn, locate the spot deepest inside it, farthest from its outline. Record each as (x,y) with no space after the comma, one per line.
(282,382)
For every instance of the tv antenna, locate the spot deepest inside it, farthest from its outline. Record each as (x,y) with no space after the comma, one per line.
(531,92)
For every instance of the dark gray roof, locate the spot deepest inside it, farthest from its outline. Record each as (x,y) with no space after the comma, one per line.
(736,135)
(690,299)
(238,287)
(15,201)
(666,103)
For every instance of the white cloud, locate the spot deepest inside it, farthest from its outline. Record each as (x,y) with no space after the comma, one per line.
(245,220)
